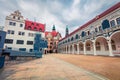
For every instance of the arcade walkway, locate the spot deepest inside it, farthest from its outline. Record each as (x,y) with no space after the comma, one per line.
(47,68)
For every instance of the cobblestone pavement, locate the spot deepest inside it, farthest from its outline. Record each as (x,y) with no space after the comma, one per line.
(47,68)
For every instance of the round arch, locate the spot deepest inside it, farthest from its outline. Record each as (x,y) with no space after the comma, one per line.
(115,42)
(101,45)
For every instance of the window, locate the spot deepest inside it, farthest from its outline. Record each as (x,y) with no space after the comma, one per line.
(35,28)
(31,50)
(96,30)
(100,28)
(118,20)
(14,24)
(10,23)
(40,29)
(21,25)
(29,42)
(112,23)
(105,24)
(18,18)
(31,34)
(9,41)
(29,27)
(88,32)
(22,49)
(10,32)
(21,33)
(32,23)
(20,42)
(13,17)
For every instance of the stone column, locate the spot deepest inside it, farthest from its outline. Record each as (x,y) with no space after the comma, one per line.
(110,48)
(84,48)
(94,48)
(78,48)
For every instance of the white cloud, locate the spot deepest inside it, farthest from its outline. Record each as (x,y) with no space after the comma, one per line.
(55,12)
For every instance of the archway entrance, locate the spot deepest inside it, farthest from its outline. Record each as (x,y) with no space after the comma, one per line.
(89,47)
(81,50)
(101,45)
(115,43)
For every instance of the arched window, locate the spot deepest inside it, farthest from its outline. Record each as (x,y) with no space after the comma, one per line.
(35,28)
(76,37)
(18,18)
(40,30)
(13,17)
(83,34)
(81,47)
(29,27)
(98,46)
(118,21)
(105,24)
(72,39)
(112,23)
(68,40)
(88,47)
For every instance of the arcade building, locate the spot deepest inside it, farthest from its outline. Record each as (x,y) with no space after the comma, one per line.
(52,38)
(99,36)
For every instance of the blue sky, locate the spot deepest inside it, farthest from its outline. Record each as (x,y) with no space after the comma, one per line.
(73,13)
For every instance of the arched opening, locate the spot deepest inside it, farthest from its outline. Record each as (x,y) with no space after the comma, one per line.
(75,49)
(81,48)
(89,47)
(115,43)
(101,45)
(68,40)
(72,39)
(71,49)
(83,34)
(76,37)
(98,47)
(67,49)
(105,24)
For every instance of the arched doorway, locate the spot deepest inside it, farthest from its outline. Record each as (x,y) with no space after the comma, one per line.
(115,43)
(81,50)
(89,47)
(71,49)
(101,45)
(75,48)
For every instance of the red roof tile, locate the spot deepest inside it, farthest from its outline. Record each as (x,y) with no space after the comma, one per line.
(30,25)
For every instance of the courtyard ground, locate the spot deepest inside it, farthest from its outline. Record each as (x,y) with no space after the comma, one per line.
(50,67)
(106,66)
